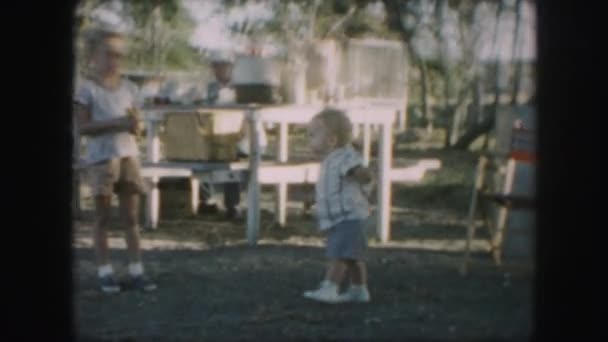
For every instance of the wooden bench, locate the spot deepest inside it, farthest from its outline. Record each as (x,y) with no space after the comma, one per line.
(283,116)
(281,173)
(270,173)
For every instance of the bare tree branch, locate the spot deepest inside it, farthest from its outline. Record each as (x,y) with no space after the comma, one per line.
(351,12)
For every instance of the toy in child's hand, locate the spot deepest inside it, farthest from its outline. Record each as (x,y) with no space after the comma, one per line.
(160,100)
(136,122)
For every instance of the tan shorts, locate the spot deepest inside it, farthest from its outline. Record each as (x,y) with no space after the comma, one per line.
(119,175)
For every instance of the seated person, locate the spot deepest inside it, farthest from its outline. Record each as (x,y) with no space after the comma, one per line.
(221,91)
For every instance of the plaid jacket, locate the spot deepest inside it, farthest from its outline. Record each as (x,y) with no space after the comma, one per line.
(337,197)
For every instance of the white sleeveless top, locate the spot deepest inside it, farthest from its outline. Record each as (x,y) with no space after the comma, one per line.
(108,104)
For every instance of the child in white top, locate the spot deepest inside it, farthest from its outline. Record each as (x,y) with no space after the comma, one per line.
(105,108)
(342,207)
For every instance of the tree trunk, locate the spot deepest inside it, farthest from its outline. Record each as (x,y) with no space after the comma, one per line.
(440,13)
(498,65)
(487,124)
(516,60)
(459,112)
(427,114)
(313,19)
(395,10)
(454,111)
(472,78)
(472,134)
(478,99)
(498,68)
(424,86)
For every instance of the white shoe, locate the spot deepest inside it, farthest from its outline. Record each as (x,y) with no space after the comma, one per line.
(327,293)
(357,294)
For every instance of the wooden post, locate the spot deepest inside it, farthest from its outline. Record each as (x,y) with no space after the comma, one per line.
(479,181)
(281,190)
(503,213)
(384,183)
(253,193)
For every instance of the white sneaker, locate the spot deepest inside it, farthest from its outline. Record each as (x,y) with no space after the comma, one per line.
(327,293)
(357,294)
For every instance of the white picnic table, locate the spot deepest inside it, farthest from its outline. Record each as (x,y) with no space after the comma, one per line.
(280,173)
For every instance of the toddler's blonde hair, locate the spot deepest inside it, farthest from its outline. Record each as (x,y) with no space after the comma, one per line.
(337,123)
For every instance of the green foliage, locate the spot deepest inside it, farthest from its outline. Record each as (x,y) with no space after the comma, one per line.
(167,44)
(364,25)
(141,10)
(182,56)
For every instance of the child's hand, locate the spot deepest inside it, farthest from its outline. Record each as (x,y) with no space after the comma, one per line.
(366,177)
(134,123)
(360,174)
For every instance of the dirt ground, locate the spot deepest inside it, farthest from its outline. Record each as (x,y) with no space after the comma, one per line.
(212,286)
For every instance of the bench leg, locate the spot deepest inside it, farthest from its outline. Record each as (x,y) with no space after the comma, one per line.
(153,204)
(356,131)
(281,204)
(473,208)
(464,269)
(194,194)
(281,189)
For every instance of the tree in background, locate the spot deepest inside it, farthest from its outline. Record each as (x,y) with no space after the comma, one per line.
(457,89)
(458,80)
(160,30)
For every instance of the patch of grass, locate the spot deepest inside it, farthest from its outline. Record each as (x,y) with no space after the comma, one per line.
(446,188)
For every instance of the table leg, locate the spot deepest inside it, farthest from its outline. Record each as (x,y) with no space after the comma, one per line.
(281,189)
(253,193)
(384,183)
(153,204)
(152,155)
(152,142)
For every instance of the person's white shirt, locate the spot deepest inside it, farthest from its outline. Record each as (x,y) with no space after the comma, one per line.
(107,104)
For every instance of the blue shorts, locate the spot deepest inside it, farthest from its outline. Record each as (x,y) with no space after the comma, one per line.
(347,240)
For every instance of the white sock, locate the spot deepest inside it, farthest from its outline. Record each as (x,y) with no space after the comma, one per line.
(136,269)
(330,285)
(361,287)
(105,270)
